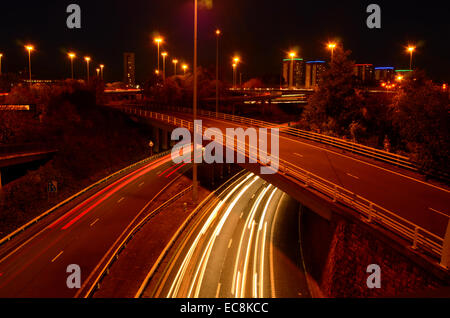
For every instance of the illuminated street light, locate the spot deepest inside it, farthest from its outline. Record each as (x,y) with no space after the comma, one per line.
(101,71)
(71,57)
(158,41)
(164,55)
(218,33)
(399,78)
(236,61)
(292,55)
(88,60)
(1,55)
(29,48)
(411,50)
(185,67)
(98,71)
(175,62)
(332,46)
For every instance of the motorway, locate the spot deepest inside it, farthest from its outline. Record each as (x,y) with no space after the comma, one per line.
(34,266)
(422,203)
(244,243)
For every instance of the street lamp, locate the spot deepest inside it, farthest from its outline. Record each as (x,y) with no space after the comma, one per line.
(194,106)
(98,71)
(411,50)
(71,56)
(218,33)
(332,46)
(164,55)
(1,55)
(29,48)
(236,61)
(175,62)
(292,55)
(158,42)
(101,70)
(185,67)
(88,60)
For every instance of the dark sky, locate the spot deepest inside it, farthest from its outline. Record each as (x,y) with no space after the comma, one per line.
(260,31)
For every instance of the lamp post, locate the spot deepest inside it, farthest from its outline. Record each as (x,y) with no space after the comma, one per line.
(1,55)
(158,42)
(218,33)
(411,50)
(332,46)
(236,61)
(101,71)
(164,55)
(71,57)
(291,72)
(195,167)
(175,62)
(29,48)
(185,67)
(88,60)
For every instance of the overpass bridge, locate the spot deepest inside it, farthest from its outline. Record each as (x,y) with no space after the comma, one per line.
(13,155)
(376,186)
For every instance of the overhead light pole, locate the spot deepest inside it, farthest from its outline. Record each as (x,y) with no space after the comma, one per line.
(332,46)
(101,71)
(218,33)
(236,61)
(88,60)
(164,55)
(411,50)
(1,55)
(158,42)
(291,71)
(71,57)
(29,48)
(175,62)
(195,168)
(185,68)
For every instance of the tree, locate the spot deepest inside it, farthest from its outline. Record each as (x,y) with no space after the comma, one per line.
(421,116)
(336,104)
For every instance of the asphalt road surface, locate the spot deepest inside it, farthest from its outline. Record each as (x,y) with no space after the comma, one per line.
(244,243)
(36,266)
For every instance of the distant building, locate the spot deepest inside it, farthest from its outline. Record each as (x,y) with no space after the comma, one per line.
(299,72)
(384,74)
(129,69)
(364,73)
(314,73)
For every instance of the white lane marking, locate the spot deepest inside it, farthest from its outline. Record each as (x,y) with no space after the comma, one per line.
(218,290)
(121,200)
(57,256)
(93,223)
(141,184)
(298,155)
(350,175)
(229,244)
(442,213)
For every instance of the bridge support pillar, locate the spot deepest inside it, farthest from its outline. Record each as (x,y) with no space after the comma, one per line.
(445,258)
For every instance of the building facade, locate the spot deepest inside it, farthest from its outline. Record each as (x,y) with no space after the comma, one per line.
(365,74)
(384,74)
(298,74)
(314,72)
(129,69)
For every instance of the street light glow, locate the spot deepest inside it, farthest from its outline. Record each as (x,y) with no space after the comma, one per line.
(218,32)
(158,40)
(87,59)
(331,46)
(29,48)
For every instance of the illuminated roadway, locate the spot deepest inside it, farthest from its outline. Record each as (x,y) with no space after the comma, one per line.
(34,264)
(243,243)
(422,203)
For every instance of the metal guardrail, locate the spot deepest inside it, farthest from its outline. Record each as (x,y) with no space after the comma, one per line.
(419,237)
(75,196)
(105,271)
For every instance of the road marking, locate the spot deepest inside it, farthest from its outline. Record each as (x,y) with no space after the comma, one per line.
(442,213)
(141,184)
(242,214)
(121,200)
(229,244)
(298,155)
(57,256)
(350,175)
(93,223)
(218,290)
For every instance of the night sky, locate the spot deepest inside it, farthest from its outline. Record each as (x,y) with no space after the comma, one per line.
(260,31)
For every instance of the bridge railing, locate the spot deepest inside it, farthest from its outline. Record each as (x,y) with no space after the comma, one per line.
(419,237)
